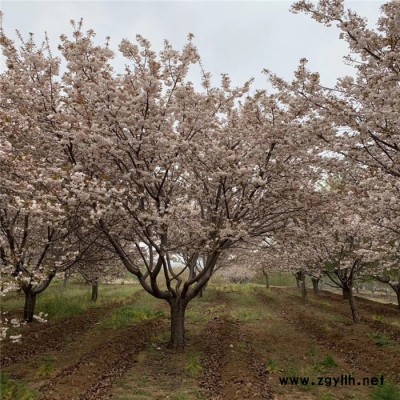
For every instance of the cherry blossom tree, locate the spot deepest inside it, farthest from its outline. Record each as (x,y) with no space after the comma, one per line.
(166,170)
(37,227)
(357,120)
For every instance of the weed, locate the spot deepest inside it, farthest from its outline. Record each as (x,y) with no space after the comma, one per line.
(379,318)
(128,315)
(57,306)
(195,316)
(388,391)
(246,315)
(313,350)
(326,364)
(12,390)
(46,370)
(272,366)
(194,366)
(380,340)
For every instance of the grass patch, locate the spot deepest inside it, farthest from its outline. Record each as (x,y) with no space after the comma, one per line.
(57,306)
(388,391)
(74,299)
(273,366)
(12,390)
(195,316)
(46,370)
(246,315)
(194,366)
(377,317)
(129,315)
(325,365)
(380,340)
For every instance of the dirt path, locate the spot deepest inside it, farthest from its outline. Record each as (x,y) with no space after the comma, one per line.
(231,368)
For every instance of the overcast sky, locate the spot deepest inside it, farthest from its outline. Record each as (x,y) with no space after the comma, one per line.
(240,38)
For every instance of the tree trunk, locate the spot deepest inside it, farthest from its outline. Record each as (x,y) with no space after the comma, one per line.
(95,291)
(315,282)
(396,288)
(353,306)
(66,278)
(266,279)
(178,308)
(201,292)
(346,292)
(297,281)
(303,289)
(29,307)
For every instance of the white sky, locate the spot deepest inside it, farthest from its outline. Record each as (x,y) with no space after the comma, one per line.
(240,38)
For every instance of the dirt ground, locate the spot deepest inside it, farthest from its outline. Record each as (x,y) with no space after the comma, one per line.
(240,342)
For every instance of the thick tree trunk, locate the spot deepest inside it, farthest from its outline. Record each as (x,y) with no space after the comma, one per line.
(353,307)
(346,292)
(396,288)
(297,281)
(95,291)
(315,282)
(178,340)
(29,307)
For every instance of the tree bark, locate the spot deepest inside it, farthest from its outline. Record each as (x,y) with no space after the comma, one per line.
(95,291)
(178,339)
(396,288)
(354,308)
(315,282)
(29,307)
(303,288)
(266,279)
(346,292)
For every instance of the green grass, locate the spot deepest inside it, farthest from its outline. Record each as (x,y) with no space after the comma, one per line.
(273,366)
(129,315)
(194,365)
(325,365)
(379,318)
(381,340)
(144,308)
(247,315)
(388,391)
(278,279)
(74,299)
(12,390)
(46,369)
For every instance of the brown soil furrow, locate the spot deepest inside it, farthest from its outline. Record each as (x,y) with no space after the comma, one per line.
(356,352)
(217,337)
(231,368)
(41,338)
(92,376)
(344,310)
